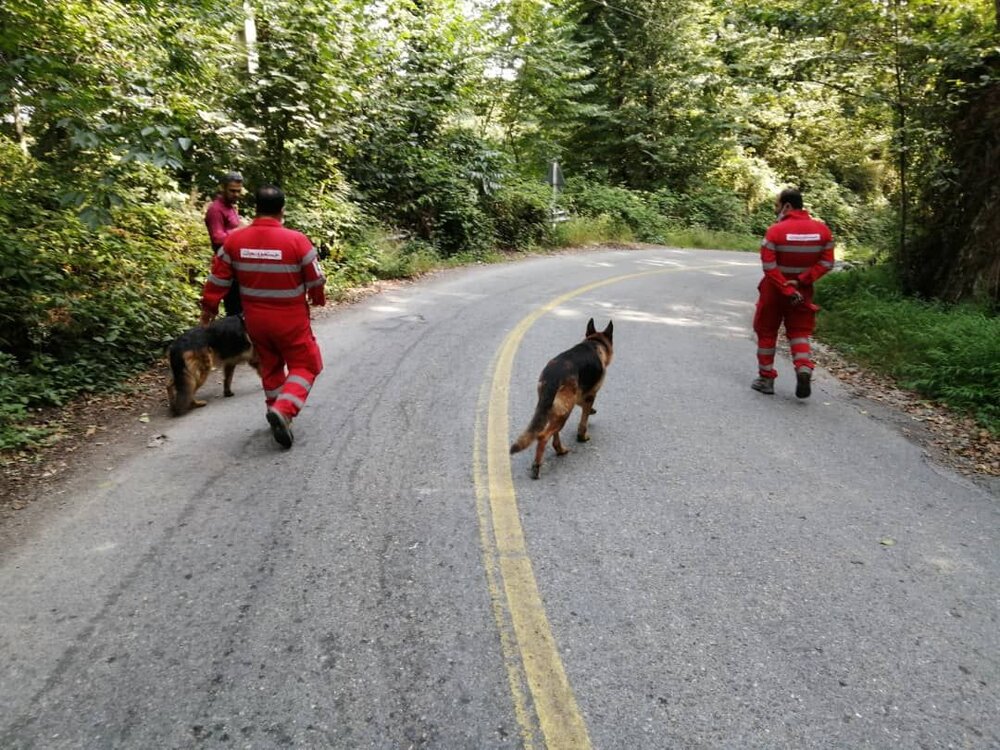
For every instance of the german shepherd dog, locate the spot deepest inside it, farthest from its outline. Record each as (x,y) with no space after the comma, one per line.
(195,352)
(570,379)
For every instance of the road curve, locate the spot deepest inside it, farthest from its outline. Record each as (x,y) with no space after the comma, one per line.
(715,569)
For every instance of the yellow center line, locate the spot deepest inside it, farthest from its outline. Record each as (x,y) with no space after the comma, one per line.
(530,652)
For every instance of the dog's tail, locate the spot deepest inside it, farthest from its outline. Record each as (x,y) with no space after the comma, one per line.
(546,397)
(180,395)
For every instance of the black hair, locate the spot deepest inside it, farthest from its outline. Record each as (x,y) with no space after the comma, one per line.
(792,197)
(231,177)
(270,200)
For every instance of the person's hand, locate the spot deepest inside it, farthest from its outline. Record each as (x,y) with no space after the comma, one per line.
(796,298)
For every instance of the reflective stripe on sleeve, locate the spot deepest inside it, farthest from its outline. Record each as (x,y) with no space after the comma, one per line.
(224,256)
(249,291)
(213,279)
(309,258)
(315,283)
(826,263)
(768,244)
(769,266)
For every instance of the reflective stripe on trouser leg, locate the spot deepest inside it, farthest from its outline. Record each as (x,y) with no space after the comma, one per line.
(304,364)
(294,392)
(801,353)
(272,370)
(766,321)
(765,357)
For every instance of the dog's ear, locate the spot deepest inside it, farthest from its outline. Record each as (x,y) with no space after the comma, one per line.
(591,328)
(610,329)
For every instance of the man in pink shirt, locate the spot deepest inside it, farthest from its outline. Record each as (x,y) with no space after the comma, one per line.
(221,219)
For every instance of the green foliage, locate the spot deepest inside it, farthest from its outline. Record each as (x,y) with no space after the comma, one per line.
(711,239)
(581,231)
(630,208)
(82,307)
(951,354)
(708,206)
(521,214)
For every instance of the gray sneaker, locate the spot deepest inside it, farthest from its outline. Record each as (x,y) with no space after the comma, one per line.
(764,385)
(803,384)
(281,428)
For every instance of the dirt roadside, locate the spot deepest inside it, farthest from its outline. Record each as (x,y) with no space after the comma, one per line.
(103,429)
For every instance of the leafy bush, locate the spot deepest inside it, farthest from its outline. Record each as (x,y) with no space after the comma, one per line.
(708,206)
(627,207)
(520,213)
(435,190)
(580,231)
(325,214)
(82,308)
(946,353)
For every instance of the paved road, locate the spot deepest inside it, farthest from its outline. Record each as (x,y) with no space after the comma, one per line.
(708,572)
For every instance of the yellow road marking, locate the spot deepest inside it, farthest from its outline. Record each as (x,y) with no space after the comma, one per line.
(529,649)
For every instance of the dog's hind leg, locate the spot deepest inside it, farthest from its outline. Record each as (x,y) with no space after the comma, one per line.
(536,467)
(557,445)
(586,409)
(227,381)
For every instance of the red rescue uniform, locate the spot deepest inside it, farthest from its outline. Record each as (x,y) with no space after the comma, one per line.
(277,270)
(796,248)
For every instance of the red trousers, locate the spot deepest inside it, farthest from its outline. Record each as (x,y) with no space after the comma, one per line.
(775,309)
(289,356)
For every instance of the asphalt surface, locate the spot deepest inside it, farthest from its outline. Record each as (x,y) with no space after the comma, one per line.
(719,568)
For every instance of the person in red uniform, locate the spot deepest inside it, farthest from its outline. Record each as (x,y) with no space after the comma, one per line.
(278,271)
(221,218)
(796,251)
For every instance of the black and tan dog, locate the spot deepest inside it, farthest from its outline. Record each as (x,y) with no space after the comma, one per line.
(195,352)
(570,379)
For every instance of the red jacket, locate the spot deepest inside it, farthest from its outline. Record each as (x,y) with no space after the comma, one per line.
(274,266)
(797,247)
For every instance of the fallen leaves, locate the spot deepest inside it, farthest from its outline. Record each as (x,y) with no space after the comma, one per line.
(954,439)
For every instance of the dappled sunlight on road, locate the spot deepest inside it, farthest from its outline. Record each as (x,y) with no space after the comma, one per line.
(734,320)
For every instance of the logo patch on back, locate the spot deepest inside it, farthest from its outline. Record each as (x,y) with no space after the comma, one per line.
(803,238)
(253,253)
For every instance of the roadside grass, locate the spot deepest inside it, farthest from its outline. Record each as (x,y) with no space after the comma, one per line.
(581,231)
(711,239)
(947,353)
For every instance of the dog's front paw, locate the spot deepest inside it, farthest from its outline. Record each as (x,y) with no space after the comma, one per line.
(535,470)
(583,438)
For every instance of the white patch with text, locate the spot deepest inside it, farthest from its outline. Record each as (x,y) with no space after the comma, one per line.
(253,253)
(803,238)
